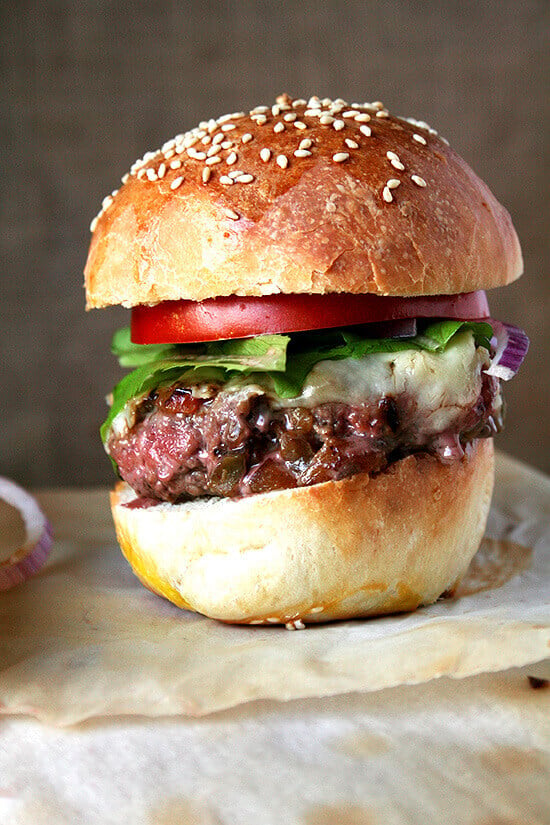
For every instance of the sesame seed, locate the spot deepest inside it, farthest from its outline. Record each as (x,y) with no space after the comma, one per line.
(299,125)
(177,182)
(290,117)
(169,154)
(260,119)
(392,155)
(214,150)
(206,140)
(314,103)
(376,105)
(352,144)
(299,102)
(326,101)
(302,153)
(211,161)
(296,624)
(206,172)
(151,174)
(362,117)
(196,155)
(397,165)
(326,120)
(161,171)
(228,127)
(221,119)
(312,113)
(418,180)
(106,202)
(279,127)
(265,154)
(282,161)
(393,183)
(230,213)
(245,178)
(226,144)
(365,130)
(305,143)
(275,110)
(382,113)
(125,178)
(349,113)
(231,158)
(340,157)
(246,138)
(272,619)
(387,195)
(318,609)
(226,180)
(257,110)
(175,164)
(338,124)
(218,138)
(420,139)
(94,223)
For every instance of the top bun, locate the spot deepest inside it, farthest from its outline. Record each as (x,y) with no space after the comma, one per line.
(318,196)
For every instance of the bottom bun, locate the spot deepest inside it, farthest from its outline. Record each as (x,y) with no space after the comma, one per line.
(356,547)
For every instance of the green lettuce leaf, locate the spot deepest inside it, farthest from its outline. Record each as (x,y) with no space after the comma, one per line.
(436,336)
(286,360)
(264,352)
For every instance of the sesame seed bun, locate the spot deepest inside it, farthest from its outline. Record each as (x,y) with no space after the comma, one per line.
(317,196)
(282,557)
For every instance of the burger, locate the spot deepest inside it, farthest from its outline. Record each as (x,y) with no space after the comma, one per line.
(307,430)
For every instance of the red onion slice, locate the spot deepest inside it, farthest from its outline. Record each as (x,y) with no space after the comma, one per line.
(511,348)
(29,558)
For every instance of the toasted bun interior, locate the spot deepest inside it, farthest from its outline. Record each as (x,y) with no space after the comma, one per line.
(357,547)
(316,196)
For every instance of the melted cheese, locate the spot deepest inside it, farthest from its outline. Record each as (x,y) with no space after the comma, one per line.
(439,384)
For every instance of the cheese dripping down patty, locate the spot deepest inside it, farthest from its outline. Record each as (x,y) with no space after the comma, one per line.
(440,384)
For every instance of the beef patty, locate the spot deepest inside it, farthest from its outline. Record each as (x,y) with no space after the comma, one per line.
(232,444)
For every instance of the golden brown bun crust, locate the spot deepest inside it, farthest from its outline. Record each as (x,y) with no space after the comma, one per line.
(318,225)
(357,547)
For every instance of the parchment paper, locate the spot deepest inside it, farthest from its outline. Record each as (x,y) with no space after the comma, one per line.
(85,639)
(472,751)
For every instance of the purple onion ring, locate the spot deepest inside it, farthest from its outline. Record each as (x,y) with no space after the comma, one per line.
(27,559)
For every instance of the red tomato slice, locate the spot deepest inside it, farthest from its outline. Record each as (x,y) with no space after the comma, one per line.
(215,319)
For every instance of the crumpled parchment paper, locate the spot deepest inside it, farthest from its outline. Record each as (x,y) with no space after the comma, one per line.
(471,751)
(85,639)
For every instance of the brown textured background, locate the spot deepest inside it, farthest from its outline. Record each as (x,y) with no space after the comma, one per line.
(87,87)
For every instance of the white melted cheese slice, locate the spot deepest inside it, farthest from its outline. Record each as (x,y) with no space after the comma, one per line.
(439,384)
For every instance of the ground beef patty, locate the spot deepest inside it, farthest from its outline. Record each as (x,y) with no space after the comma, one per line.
(232,444)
